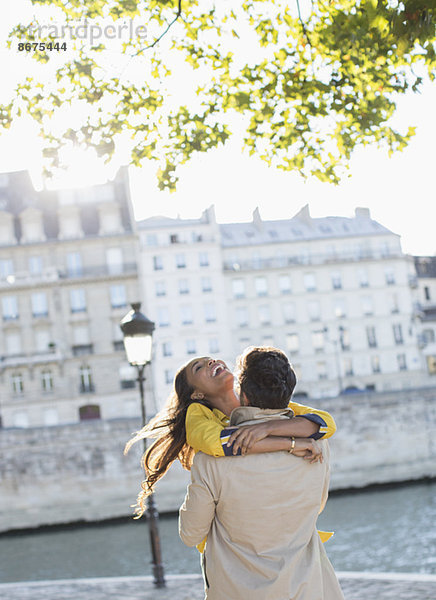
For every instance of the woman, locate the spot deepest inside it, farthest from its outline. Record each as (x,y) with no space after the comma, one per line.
(196,417)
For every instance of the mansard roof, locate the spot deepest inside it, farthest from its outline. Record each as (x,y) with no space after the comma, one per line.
(301,227)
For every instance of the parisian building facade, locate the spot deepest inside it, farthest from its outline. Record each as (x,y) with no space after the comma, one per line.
(338,295)
(68,266)
(425,308)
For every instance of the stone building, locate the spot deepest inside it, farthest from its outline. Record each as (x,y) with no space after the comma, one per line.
(426,309)
(68,267)
(335,293)
(183,289)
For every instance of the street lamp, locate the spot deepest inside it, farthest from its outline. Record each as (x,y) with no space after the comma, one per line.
(138,332)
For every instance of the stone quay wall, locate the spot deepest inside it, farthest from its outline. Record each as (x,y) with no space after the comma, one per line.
(78,472)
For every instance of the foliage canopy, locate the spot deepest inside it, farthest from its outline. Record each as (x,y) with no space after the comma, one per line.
(311,80)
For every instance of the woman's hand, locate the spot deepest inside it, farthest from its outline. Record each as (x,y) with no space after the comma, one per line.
(308,449)
(244,437)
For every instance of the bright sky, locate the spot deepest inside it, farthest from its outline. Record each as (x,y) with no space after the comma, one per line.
(400,191)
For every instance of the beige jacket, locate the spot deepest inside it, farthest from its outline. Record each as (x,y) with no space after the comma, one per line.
(259,513)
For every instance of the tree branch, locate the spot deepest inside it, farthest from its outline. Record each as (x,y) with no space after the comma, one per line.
(157,40)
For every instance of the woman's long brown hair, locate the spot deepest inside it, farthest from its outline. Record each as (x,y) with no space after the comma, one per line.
(169,428)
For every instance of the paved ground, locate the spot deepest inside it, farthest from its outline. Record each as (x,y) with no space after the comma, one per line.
(356,586)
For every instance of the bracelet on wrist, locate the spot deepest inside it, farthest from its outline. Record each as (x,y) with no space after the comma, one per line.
(291,449)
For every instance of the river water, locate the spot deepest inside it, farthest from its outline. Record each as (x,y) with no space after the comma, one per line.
(380,530)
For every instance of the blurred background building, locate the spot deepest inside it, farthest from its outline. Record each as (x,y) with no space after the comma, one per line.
(352,311)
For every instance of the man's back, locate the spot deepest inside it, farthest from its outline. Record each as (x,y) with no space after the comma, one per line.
(262,543)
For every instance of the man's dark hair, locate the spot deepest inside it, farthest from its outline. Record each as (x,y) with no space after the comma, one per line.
(266,377)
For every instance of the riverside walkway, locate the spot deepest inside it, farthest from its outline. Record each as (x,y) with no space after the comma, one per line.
(356,586)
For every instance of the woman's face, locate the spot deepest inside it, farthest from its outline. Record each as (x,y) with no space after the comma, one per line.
(209,377)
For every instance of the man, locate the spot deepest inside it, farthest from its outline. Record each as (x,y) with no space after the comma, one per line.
(259,511)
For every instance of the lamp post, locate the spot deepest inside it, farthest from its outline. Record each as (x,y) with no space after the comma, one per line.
(138,332)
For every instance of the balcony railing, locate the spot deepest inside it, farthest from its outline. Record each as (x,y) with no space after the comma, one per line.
(278,262)
(26,279)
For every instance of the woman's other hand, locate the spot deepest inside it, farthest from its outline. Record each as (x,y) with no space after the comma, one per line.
(308,449)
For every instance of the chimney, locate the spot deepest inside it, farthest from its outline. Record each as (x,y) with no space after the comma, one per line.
(362,213)
(304,215)
(257,221)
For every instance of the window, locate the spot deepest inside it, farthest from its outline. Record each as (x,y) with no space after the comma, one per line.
(344,338)
(167,349)
(191,347)
(428,336)
(163,317)
(288,312)
(309,282)
(174,238)
(186,315)
(157,263)
(348,367)
(10,308)
(89,412)
(371,337)
(209,313)
(35,265)
(314,310)
(114,260)
(427,295)
(118,296)
(363,278)
(375,364)
(180,261)
(47,381)
(13,343)
(206,284)
(77,301)
(86,383)
(160,288)
(214,346)
(367,305)
(241,316)
(318,341)
(127,375)
(6,268)
(17,383)
(389,276)
(39,304)
(238,288)
(292,342)
(321,369)
(42,340)
(394,304)
(169,376)
(336,280)
(74,264)
(264,314)
(339,308)
(81,343)
(183,286)
(401,360)
(398,334)
(203,259)
(260,286)
(285,284)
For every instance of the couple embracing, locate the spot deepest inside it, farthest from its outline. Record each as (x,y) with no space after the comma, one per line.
(253,517)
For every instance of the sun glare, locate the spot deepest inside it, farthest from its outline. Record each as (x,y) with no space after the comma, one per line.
(83,168)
